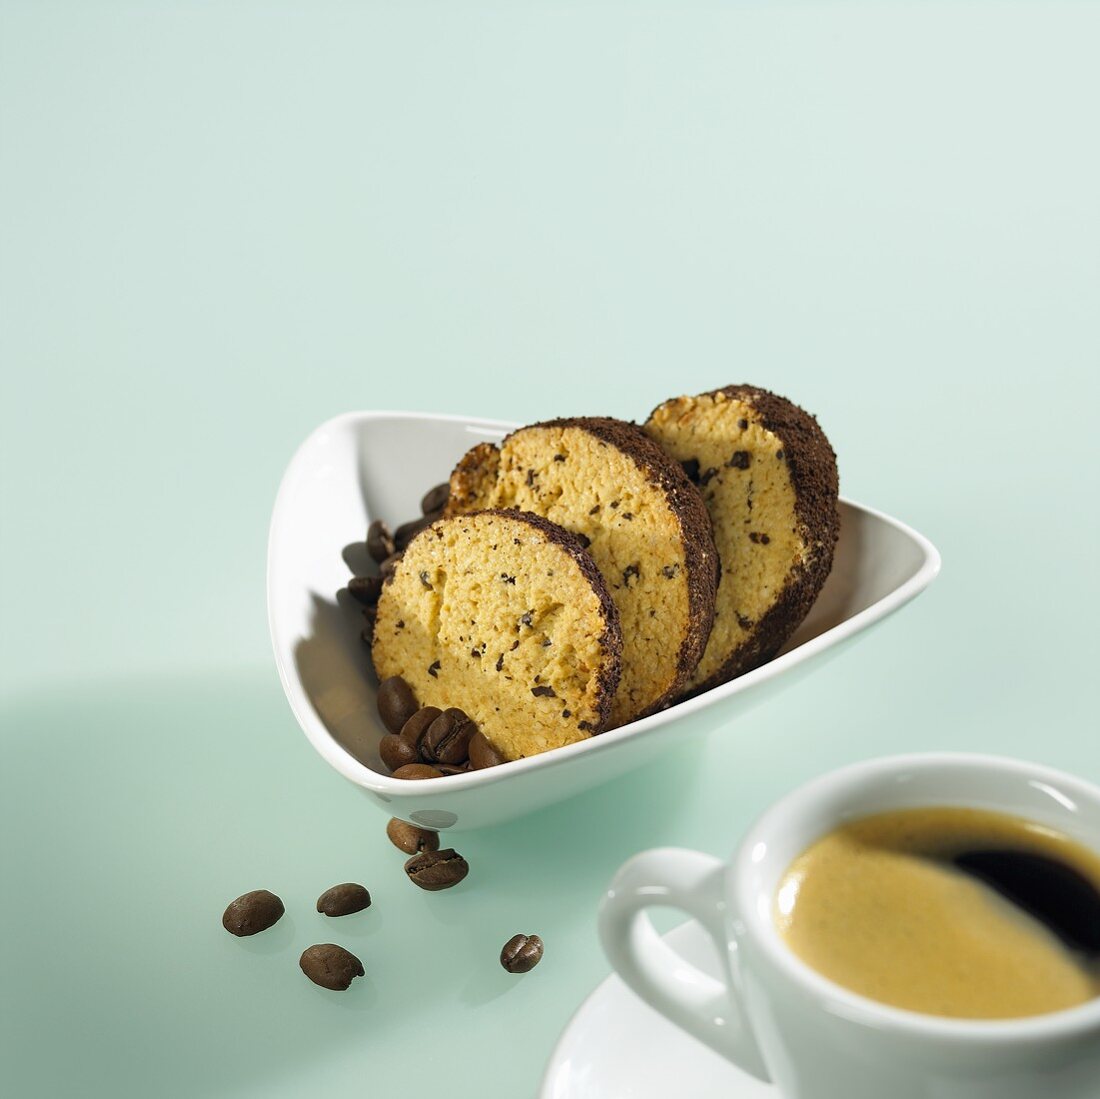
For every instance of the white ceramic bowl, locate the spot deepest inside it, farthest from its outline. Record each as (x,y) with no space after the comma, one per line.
(364,465)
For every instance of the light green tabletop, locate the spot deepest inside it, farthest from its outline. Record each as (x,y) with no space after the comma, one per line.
(223,223)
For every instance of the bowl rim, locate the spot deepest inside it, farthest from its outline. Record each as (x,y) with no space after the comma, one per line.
(351,768)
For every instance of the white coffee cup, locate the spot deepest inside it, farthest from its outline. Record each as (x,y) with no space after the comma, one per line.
(778,1019)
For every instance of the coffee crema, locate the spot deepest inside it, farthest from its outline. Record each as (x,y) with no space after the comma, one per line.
(948,911)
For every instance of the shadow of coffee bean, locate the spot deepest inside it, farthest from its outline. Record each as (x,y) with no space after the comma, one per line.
(359,997)
(358,925)
(274,940)
(357,559)
(489,982)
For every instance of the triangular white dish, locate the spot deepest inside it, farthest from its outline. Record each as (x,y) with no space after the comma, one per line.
(364,465)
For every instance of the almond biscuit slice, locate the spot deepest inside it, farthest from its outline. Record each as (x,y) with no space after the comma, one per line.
(769,479)
(505,616)
(643,522)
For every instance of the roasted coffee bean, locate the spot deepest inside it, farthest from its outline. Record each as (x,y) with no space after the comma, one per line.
(482,753)
(366,589)
(447,739)
(521,953)
(343,900)
(417,771)
(434,870)
(408,531)
(390,564)
(410,839)
(396,752)
(330,966)
(417,725)
(435,499)
(379,541)
(453,768)
(396,702)
(252,912)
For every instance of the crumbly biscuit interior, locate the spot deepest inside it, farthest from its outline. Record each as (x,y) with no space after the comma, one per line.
(591,488)
(487,614)
(747,487)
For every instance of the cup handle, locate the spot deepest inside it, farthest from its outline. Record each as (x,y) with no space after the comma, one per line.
(713,1011)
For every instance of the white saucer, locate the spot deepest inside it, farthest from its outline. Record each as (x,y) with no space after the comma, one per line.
(617,1047)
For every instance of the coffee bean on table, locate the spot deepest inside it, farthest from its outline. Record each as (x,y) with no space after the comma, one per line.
(521,953)
(396,752)
(396,702)
(447,739)
(410,839)
(417,725)
(435,870)
(453,768)
(417,771)
(252,913)
(408,531)
(343,900)
(482,753)
(379,541)
(366,589)
(330,966)
(435,499)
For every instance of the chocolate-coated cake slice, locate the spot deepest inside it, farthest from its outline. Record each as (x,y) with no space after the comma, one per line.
(769,479)
(505,616)
(645,526)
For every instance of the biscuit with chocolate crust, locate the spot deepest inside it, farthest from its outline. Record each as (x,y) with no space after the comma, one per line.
(769,479)
(504,615)
(643,522)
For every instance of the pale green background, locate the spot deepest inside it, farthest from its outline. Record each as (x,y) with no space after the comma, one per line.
(223,223)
